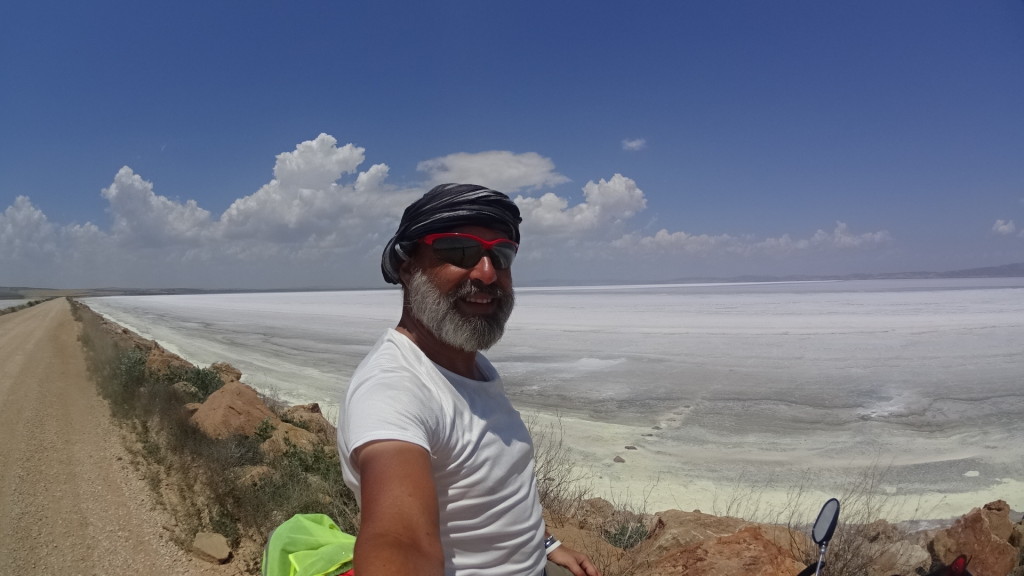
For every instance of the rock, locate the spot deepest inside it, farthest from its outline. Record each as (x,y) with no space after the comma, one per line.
(972,535)
(900,558)
(596,546)
(630,447)
(748,551)
(882,532)
(1017,536)
(285,434)
(185,391)
(674,529)
(310,417)
(619,459)
(211,547)
(998,514)
(235,409)
(227,372)
(253,475)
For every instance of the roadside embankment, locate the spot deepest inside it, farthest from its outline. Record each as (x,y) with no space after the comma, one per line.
(70,501)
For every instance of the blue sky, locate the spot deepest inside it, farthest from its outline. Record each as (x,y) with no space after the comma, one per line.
(274,145)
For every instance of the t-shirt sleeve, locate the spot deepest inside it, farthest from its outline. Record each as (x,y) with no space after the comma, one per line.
(390,404)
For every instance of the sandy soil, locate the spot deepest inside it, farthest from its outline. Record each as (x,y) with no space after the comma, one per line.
(70,501)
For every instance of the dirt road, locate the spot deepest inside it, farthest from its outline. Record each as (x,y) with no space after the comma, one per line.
(70,502)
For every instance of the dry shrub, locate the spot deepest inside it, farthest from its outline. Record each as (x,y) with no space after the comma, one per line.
(607,532)
(562,486)
(224,485)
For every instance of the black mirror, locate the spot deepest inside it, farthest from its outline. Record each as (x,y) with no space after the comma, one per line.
(825,525)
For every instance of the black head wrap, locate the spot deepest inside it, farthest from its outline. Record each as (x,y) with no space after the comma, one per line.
(445,207)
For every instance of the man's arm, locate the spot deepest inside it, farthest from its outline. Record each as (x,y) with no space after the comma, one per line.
(575,562)
(399,531)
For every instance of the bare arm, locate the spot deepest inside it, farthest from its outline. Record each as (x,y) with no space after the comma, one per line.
(576,562)
(399,530)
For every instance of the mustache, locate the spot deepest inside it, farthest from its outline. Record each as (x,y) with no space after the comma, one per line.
(470,288)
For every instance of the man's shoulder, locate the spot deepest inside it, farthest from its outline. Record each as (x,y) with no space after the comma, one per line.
(394,358)
(392,349)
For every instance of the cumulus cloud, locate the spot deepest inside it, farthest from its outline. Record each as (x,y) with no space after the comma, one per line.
(1004,227)
(305,202)
(323,219)
(606,203)
(25,231)
(146,219)
(498,169)
(704,244)
(634,144)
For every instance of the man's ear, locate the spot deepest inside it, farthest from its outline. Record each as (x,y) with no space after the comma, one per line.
(405,271)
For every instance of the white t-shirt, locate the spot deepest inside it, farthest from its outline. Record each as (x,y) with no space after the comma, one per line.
(481,453)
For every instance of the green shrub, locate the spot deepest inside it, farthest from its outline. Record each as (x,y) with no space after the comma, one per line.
(626,534)
(265,430)
(131,369)
(203,380)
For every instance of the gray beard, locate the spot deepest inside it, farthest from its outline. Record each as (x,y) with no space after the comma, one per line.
(438,312)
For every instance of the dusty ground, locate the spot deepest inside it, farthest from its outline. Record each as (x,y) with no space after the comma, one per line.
(70,501)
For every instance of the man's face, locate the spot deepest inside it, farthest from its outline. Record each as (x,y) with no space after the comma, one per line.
(465,308)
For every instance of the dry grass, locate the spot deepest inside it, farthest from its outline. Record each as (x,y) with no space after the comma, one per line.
(230,485)
(567,496)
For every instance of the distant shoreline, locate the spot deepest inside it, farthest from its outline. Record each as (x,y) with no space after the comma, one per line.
(1014,270)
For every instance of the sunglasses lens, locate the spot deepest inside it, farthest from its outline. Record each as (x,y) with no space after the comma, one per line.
(462,252)
(503,254)
(466,252)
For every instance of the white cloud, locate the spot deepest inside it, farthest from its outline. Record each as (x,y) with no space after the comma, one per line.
(323,221)
(501,170)
(25,231)
(607,203)
(316,164)
(306,201)
(1004,227)
(143,218)
(666,242)
(634,144)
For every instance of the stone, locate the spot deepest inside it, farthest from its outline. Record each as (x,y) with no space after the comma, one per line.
(630,447)
(235,409)
(900,558)
(998,514)
(674,529)
(619,459)
(286,434)
(310,417)
(972,535)
(211,547)
(185,391)
(227,372)
(748,551)
(1017,536)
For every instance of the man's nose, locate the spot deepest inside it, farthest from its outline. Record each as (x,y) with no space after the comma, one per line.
(484,271)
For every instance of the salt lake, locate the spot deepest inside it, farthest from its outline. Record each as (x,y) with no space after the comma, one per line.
(717,389)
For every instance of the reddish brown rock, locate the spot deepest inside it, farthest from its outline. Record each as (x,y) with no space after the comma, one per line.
(998,514)
(227,372)
(235,409)
(748,551)
(973,536)
(310,417)
(674,529)
(286,434)
(898,558)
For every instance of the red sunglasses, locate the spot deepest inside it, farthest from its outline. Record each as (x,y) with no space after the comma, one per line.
(465,250)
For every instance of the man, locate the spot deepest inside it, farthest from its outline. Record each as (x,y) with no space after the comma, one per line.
(440,461)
